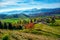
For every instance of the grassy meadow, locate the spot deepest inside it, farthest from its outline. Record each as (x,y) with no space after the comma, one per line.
(21,29)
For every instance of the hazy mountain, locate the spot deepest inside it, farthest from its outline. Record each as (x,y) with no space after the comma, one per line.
(31,13)
(12,12)
(47,12)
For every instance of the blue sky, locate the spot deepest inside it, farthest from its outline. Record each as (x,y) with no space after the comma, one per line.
(11,5)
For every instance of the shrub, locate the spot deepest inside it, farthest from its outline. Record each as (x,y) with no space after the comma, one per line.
(5,37)
(48,20)
(53,20)
(20,27)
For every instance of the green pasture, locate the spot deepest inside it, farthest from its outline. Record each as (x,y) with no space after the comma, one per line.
(40,28)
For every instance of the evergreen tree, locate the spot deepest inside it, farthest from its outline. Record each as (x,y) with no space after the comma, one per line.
(10,26)
(34,20)
(31,21)
(5,26)
(1,25)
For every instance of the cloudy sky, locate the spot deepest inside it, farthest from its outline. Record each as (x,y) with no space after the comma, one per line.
(11,5)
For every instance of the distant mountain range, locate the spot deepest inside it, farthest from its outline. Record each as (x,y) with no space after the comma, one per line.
(46,12)
(30,13)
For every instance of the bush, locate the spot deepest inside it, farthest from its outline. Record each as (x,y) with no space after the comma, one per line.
(53,20)
(5,37)
(48,20)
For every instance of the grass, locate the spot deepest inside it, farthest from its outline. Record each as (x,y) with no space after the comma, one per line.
(10,20)
(18,35)
(39,32)
(47,28)
(13,20)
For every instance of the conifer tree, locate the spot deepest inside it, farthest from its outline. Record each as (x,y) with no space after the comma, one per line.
(1,25)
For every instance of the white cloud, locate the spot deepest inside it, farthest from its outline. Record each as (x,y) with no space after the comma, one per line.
(10,5)
(7,2)
(7,10)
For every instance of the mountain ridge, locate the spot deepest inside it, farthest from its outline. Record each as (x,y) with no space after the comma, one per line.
(32,13)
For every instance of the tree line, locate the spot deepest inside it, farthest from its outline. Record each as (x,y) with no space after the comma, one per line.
(25,24)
